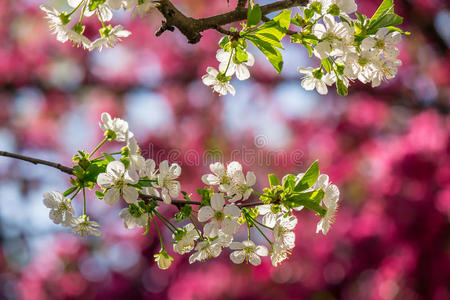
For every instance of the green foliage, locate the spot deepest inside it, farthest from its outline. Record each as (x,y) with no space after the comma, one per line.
(309,178)
(184,213)
(253,14)
(206,194)
(70,191)
(342,89)
(273,180)
(93,4)
(267,38)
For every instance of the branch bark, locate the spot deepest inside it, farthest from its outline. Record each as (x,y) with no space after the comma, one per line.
(191,28)
(69,171)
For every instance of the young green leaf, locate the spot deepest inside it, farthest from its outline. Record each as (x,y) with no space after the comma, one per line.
(342,89)
(70,191)
(273,180)
(386,20)
(327,65)
(310,177)
(272,54)
(253,15)
(385,7)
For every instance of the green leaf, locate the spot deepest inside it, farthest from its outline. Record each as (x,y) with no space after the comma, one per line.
(310,177)
(70,191)
(393,28)
(95,3)
(241,56)
(327,65)
(342,89)
(108,157)
(269,38)
(273,55)
(385,7)
(273,180)
(386,20)
(253,15)
(289,181)
(284,19)
(99,194)
(310,200)
(223,41)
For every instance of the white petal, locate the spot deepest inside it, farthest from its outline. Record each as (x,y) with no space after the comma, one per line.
(251,178)
(254,259)
(261,250)
(105,180)
(217,201)
(236,246)
(115,169)
(130,194)
(205,213)
(112,195)
(211,229)
(242,72)
(131,177)
(237,257)
(232,210)
(229,227)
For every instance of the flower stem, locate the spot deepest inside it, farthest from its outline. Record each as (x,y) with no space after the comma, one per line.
(159,233)
(84,201)
(76,193)
(196,228)
(165,220)
(75,9)
(98,146)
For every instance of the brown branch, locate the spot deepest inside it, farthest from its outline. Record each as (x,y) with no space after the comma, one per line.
(37,161)
(192,28)
(69,171)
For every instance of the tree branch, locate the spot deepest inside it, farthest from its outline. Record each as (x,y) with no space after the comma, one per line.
(37,161)
(192,28)
(69,171)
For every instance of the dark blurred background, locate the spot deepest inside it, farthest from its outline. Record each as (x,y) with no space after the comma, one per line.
(386,148)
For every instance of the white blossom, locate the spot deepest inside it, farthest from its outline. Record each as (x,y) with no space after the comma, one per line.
(229,66)
(384,41)
(110,37)
(137,162)
(220,176)
(163,259)
(55,23)
(270,214)
(170,188)
(283,231)
(205,250)
(131,221)
(279,254)
(116,125)
(315,80)
(83,226)
(61,210)
(218,81)
(221,215)
(330,200)
(331,35)
(247,251)
(185,239)
(116,181)
(241,187)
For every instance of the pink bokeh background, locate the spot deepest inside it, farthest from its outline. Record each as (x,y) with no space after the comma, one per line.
(386,148)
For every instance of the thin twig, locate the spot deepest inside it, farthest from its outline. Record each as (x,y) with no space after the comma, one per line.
(37,161)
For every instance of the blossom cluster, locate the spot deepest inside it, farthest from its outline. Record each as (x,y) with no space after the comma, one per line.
(350,45)
(348,48)
(223,210)
(61,22)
